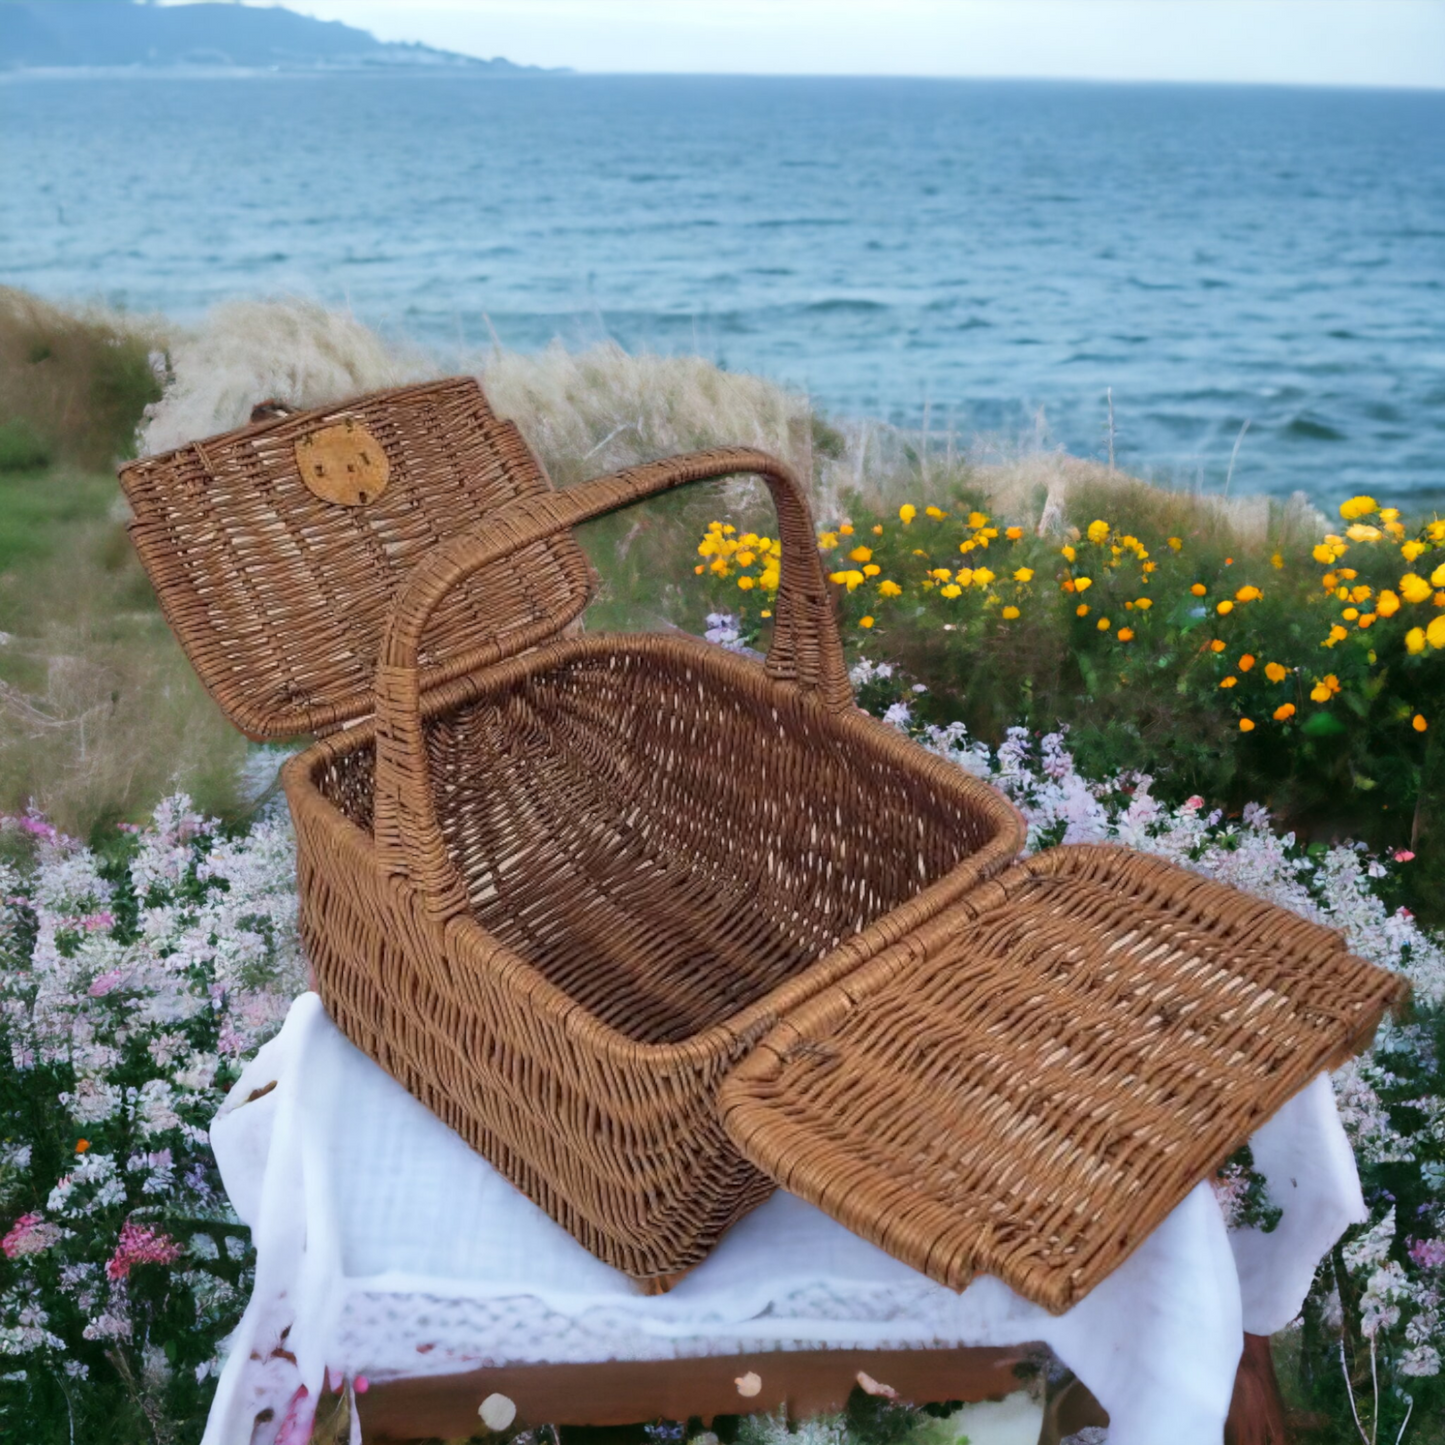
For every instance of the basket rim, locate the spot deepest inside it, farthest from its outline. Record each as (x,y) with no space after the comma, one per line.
(856,728)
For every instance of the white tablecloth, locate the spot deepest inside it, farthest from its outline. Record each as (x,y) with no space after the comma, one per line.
(386,1247)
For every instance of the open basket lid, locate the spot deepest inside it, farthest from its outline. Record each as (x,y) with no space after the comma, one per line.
(276,549)
(1028,1085)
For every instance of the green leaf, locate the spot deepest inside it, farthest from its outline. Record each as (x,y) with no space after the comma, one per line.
(1323,725)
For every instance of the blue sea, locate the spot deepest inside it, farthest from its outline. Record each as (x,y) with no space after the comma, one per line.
(1003,254)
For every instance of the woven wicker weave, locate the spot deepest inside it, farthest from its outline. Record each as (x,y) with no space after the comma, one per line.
(1093,1033)
(565,904)
(563,888)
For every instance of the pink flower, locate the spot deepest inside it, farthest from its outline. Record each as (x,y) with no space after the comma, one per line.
(1428,1253)
(30,1234)
(140,1244)
(1194,804)
(98,922)
(1402,855)
(105,983)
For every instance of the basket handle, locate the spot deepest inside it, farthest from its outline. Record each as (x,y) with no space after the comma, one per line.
(806,648)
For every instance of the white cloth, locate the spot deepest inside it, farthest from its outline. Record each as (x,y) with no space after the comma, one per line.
(386,1247)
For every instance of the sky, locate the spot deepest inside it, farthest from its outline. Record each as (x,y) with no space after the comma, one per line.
(1314,42)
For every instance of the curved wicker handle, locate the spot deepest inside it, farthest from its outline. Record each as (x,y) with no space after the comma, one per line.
(806,648)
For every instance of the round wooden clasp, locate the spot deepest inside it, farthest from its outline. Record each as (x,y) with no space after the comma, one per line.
(343,464)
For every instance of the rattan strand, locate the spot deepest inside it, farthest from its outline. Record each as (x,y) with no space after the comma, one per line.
(1030,1084)
(280,597)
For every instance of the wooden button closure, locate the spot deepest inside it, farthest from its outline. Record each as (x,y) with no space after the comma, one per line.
(343,464)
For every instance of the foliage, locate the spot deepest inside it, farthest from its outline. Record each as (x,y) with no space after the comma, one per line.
(133,982)
(1310,675)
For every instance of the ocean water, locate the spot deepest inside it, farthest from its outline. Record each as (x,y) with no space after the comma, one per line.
(996,255)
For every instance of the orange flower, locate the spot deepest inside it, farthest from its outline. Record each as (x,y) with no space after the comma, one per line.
(1418,722)
(1245,725)
(81,1145)
(865,622)
(1325,688)
(1284,712)
(1082,610)
(1125,634)
(1230,681)
(1217,645)
(1199,589)
(1102,624)
(1246,662)
(1274,672)
(1224,608)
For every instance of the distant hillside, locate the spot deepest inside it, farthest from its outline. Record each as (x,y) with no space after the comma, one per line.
(107,33)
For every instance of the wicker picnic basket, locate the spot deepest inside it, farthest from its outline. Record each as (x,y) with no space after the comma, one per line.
(654,926)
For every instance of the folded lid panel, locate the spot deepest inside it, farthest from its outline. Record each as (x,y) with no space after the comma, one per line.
(1034,1081)
(276,550)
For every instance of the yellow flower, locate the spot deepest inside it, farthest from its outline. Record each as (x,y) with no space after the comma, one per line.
(977,520)
(746,583)
(1125,634)
(1274,672)
(940,574)
(907,512)
(982,577)
(1418,722)
(1176,542)
(1435,633)
(745,559)
(1143,603)
(1009,613)
(1412,549)
(877,529)
(1082,584)
(964,576)
(1357,507)
(1329,581)
(1363,532)
(1098,531)
(852,579)
(937,513)
(1415,640)
(1436,531)
(1199,589)
(1246,662)
(1389,514)
(1082,610)
(1216,646)
(1350,613)
(967,546)
(1348,573)
(1337,634)
(1014,533)
(889,589)
(1323,555)
(1325,688)
(765,614)
(1230,681)
(872,570)
(1245,725)
(1437,577)
(861,554)
(1284,712)
(1248,594)
(1024,574)
(1225,608)
(826,542)
(1414,588)
(865,622)
(953,590)
(1361,593)
(1068,553)
(1276,561)
(1102,624)
(1367,619)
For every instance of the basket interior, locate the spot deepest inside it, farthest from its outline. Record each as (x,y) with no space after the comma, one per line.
(665,845)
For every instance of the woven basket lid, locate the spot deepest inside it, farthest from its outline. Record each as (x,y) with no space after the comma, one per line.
(1028,1085)
(276,549)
